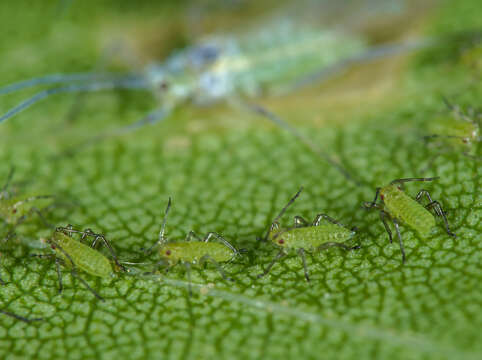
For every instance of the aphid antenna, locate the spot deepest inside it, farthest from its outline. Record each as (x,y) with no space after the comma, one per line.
(123,83)
(58,78)
(162,240)
(33,198)
(292,200)
(402,181)
(262,111)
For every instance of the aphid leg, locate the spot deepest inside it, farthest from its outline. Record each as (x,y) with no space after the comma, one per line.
(259,110)
(191,234)
(267,270)
(100,237)
(162,240)
(21,318)
(437,207)
(207,258)
(57,266)
(372,204)
(301,252)
(397,229)
(2,282)
(300,222)
(210,234)
(383,217)
(319,217)
(74,274)
(275,223)
(402,181)
(157,265)
(188,274)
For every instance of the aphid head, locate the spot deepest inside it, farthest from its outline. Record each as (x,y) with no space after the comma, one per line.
(277,237)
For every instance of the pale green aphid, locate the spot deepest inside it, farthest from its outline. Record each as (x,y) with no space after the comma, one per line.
(190,252)
(75,255)
(457,130)
(304,237)
(14,209)
(400,208)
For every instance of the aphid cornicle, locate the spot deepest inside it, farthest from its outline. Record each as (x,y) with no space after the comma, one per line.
(75,255)
(189,252)
(304,237)
(400,208)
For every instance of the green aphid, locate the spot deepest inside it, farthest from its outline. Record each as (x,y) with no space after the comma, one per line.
(397,206)
(458,130)
(304,237)
(197,252)
(14,210)
(75,255)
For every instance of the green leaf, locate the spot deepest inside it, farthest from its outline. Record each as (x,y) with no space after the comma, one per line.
(232,172)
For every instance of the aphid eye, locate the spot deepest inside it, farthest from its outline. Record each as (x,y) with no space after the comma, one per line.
(14,211)
(382,196)
(52,246)
(163,86)
(168,252)
(281,241)
(399,187)
(465,141)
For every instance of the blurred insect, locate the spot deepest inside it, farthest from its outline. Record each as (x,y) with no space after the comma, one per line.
(304,237)
(75,255)
(397,206)
(458,130)
(190,253)
(271,61)
(18,317)
(14,210)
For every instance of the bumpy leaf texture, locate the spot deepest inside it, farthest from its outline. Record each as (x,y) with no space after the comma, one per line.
(231,172)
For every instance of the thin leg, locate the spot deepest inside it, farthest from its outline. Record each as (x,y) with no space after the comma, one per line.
(210,234)
(372,204)
(59,275)
(437,207)
(74,273)
(275,221)
(383,218)
(319,217)
(207,258)
(397,229)
(267,270)
(18,317)
(300,222)
(401,181)
(2,282)
(192,235)
(157,265)
(188,274)
(259,110)
(41,217)
(301,252)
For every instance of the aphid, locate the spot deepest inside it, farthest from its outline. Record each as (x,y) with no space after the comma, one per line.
(75,255)
(190,252)
(457,130)
(304,237)
(397,206)
(268,62)
(18,317)
(14,210)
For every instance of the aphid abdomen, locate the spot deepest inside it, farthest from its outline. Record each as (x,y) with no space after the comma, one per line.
(310,238)
(406,209)
(84,257)
(193,251)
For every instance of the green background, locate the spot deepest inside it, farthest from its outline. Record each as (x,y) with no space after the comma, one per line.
(231,172)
